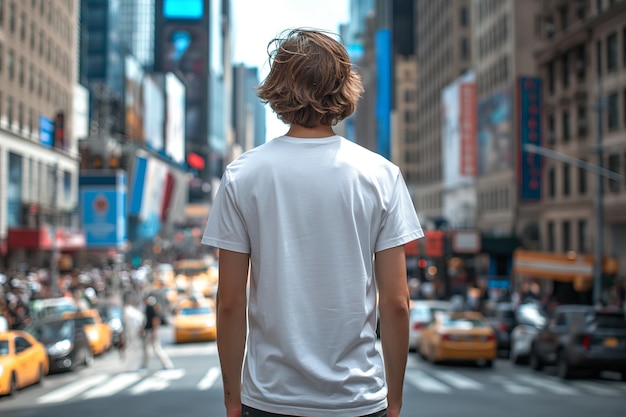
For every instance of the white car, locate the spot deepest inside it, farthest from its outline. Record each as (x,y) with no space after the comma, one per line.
(530,320)
(421,314)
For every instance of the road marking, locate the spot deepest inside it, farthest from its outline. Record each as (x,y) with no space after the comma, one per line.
(191,350)
(157,381)
(209,379)
(548,385)
(512,387)
(424,382)
(595,388)
(114,385)
(458,380)
(71,390)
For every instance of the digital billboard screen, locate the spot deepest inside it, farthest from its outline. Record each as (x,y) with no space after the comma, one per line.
(183,9)
(175,121)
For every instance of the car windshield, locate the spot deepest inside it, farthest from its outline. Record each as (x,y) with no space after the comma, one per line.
(51,332)
(195,311)
(464,323)
(4,347)
(82,321)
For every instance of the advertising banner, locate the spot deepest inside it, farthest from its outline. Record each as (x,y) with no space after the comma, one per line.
(134,99)
(46,132)
(383,99)
(495,133)
(103,210)
(529,164)
(153,96)
(175,119)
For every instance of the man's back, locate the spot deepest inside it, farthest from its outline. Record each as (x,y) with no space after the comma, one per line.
(314,211)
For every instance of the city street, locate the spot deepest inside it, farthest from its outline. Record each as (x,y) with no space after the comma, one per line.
(194,388)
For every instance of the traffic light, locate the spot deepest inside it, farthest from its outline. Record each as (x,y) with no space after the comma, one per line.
(421,268)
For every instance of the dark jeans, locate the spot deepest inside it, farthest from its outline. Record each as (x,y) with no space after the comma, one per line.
(253,412)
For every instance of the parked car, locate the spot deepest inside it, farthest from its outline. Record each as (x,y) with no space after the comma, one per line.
(421,314)
(503,321)
(530,320)
(581,338)
(457,336)
(23,361)
(66,343)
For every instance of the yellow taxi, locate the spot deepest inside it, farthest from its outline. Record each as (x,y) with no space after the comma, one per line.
(194,321)
(99,333)
(23,361)
(453,336)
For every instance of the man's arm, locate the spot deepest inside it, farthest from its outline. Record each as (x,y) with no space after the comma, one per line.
(232,324)
(393,305)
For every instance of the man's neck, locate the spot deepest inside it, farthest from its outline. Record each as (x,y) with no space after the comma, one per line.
(320,131)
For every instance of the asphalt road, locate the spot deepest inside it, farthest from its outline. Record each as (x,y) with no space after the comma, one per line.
(193,388)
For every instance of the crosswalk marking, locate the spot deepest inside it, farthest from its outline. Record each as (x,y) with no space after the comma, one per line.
(209,379)
(548,385)
(114,385)
(425,382)
(458,380)
(71,390)
(512,387)
(595,388)
(158,381)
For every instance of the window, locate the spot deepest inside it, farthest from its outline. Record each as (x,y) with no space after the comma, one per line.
(31,121)
(599,57)
(10,111)
(31,79)
(583,244)
(1,55)
(611,52)
(612,112)
(550,235)
(624,46)
(12,17)
(567,236)
(614,165)
(551,77)
(566,180)
(581,63)
(581,9)
(20,116)
(464,17)
(581,121)
(551,129)
(23,27)
(565,69)
(11,65)
(582,181)
(21,76)
(33,33)
(551,182)
(564,15)
(1,12)
(566,126)
(41,41)
(599,5)
(464,49)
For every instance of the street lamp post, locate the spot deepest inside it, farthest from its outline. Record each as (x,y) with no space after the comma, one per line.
(54,258)
(599,248)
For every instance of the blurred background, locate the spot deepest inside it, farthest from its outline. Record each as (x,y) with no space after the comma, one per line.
(506,117)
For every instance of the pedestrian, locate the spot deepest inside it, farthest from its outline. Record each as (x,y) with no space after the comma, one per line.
(320,223)
(151,339)
(133,321)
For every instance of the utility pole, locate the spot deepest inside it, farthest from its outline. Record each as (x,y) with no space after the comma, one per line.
(599,248)
(54,258)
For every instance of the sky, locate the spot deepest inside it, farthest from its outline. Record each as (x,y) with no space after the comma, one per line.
(255,23)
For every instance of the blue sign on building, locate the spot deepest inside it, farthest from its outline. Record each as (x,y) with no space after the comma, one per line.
(529,164)
(103,209)
(46,132)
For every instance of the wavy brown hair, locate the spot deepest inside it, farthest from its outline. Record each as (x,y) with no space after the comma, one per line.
(311,81)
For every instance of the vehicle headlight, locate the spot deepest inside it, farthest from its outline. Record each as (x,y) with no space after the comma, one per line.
(1,370)
(210,321)
(116,324)
(60,348)
(92,335)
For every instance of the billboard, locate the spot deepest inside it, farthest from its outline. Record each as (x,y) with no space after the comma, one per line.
(103,209)
(458,101)
(529,113)
(383,91)
(175,118)
(495,133)
(153,98)
(46,132)
(183,9)
(134,104)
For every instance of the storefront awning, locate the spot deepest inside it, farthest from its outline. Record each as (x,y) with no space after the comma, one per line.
(41,239)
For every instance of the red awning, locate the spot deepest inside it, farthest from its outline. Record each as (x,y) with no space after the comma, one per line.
(195,161)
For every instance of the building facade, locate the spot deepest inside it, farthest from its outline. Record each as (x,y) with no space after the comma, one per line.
(38,150)
(582,59)
(443,53)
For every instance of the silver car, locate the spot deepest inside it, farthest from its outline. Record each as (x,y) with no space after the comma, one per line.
(422,312)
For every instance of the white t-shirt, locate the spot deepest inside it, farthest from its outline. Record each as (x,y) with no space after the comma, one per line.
(311,213)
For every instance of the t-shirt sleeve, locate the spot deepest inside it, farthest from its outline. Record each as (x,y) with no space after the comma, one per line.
(226,228)
(399,224)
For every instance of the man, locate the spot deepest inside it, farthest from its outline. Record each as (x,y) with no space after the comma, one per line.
(133,323)
(309,212)
(151,335)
